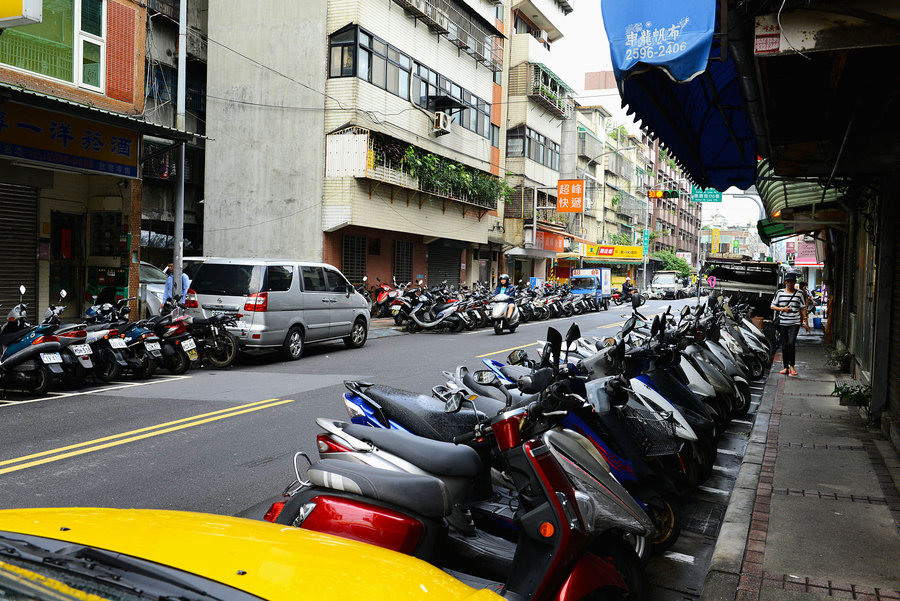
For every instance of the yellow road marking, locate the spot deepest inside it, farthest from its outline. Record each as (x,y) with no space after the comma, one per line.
(115,443)
(506,350)
(611,325)
(138,431)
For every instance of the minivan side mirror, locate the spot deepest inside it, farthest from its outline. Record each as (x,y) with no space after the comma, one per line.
(349,290)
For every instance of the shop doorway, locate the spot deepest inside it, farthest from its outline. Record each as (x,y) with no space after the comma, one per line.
(18,245)
(67,260)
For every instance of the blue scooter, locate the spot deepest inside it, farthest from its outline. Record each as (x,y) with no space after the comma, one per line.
(29,355)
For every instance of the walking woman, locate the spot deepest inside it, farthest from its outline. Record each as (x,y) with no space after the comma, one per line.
(790,305)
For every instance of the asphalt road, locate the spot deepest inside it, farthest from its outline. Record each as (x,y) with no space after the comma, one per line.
(223,441)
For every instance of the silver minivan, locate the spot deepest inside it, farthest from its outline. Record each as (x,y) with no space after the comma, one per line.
(281,304)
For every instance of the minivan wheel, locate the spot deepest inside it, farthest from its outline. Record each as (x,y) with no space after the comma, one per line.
(358,335)
(292,349)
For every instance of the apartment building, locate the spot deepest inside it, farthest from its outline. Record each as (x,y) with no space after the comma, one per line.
(71,129)
(160,169)
(538,102)
(370,141)
(675,221)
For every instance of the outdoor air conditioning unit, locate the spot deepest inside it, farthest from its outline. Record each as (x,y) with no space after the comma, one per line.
(539,34)
(441,124)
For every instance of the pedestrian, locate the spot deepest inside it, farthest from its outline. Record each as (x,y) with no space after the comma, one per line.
(809,297)
(789,305)
(170,281)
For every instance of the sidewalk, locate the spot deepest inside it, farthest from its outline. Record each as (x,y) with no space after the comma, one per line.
(815,512)
(384,327)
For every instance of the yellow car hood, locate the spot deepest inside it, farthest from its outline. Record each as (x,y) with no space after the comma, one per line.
(277,562)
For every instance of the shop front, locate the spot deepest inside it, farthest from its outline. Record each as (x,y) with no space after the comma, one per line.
(623,261)
(70,200)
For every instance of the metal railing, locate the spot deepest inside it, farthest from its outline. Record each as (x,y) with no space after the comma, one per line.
(166,7)
(554,98)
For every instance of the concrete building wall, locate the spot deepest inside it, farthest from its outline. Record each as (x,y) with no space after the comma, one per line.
(266,150)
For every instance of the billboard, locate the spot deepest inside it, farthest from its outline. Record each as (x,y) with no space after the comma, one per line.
(684,255)
(570,196)
(612,252)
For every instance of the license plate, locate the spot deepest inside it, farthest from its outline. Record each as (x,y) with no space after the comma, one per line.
(192,354)
(51,358)
(242,325)
(117,343)
(395,310)
(189,344)
(151,346)
(82,349)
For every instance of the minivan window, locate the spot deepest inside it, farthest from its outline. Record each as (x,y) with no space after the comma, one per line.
(278,278)
(579,283)
(227,279)
(664,278)
(314,280)
(336,282)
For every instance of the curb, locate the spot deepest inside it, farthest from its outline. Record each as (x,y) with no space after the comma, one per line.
(724,573)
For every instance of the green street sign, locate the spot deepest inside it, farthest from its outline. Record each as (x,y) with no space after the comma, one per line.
(646,241)
(736,245)
(708,195)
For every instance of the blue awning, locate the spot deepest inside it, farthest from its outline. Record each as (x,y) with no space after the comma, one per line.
(691,102)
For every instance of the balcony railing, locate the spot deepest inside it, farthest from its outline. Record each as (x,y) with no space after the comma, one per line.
(166,7)
(550,91)
(445,18)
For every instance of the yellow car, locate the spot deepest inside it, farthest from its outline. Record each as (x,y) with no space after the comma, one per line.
(130,554)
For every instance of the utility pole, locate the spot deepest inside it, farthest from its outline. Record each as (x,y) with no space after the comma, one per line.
(180,126)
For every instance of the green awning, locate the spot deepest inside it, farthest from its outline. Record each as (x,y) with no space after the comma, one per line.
(770,230)
(555,77)
(780,193)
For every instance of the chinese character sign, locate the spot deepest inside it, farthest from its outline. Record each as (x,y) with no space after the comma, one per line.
(612,252)
(674,35)
(715,241)
(570,196)
(33,134)
(550,241)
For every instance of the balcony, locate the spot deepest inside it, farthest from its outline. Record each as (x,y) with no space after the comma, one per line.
(413,176)
(445,18)
(165,7)
(548,90)
(589,146)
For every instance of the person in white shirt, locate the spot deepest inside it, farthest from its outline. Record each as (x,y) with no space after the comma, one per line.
(790,304)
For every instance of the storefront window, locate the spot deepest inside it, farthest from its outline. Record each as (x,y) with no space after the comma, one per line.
(69,44)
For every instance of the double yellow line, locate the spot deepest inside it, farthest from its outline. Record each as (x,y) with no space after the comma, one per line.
(114,440)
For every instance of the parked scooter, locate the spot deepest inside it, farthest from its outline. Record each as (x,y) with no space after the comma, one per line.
(215,343)
(28,358)
(570,510)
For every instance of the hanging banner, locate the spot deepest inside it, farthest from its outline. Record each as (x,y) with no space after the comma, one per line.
(714,246)
(676,36)
(806,255)
(33,134)
(549,241)
(612,252)
(570,196)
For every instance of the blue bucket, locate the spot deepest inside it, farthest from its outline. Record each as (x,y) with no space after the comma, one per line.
(817,323)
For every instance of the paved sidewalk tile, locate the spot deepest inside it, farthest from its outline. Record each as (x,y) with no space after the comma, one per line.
(848,473)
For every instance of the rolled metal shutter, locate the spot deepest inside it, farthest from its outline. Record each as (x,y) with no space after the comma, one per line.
(18,246)
(894,358)
(443,264)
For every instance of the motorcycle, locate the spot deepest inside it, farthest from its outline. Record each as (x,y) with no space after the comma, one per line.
(28,357)
(567,528)
(214,342)
(500,314)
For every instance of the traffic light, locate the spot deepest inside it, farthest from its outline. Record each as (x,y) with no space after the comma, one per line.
(662,194)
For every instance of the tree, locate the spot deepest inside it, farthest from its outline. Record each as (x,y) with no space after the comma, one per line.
(673,263)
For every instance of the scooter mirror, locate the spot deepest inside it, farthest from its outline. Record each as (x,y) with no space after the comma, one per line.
(454,402)
(545,355)
(628,325)
(62,294)
(635,300)
(711,302)
(685,311)
(517,357)
(486,377)
(573,334)
(654,329)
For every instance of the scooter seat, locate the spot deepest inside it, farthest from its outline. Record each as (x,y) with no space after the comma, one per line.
(424,495)
(441,306)
(514,372)
(434,456)
(425,416)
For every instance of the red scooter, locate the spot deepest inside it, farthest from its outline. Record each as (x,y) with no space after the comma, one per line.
(567,513)
(384,295)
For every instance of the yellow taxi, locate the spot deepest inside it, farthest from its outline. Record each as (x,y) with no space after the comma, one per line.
(130,554)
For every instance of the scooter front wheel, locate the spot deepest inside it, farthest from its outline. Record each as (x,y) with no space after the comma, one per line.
(666,516)
(498,327)
(617,551)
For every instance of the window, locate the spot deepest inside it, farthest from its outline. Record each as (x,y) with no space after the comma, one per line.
(342,50)
(336,282)
(515,142)
(403,252)
(313,279)
(69,44)
(353,260)
(226,279)
(495,136)
(278,278)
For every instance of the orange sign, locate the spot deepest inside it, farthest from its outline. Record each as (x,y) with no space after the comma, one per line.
(570,196)
(549,241)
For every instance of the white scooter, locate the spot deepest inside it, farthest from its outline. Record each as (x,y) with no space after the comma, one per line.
(500,312)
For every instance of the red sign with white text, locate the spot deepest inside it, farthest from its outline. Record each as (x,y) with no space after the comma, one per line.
(549,241)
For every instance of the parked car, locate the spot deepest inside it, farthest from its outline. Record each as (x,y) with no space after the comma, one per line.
(135,554)
(155,279)
(282,304)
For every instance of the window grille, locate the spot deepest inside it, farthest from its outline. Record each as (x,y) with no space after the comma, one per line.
(403,254)
(354,258)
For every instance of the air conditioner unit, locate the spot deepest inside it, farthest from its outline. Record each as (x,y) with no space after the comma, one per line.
(441,124)
(539,34)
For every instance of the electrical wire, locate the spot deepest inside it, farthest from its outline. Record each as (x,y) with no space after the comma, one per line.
(781,32)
